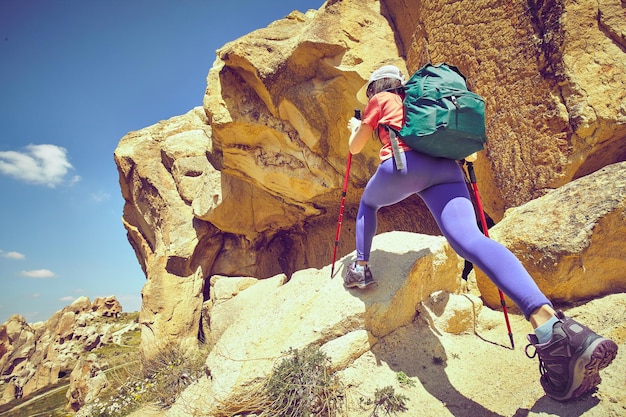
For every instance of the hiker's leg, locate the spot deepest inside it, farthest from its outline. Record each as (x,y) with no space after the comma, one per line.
(389,186)
(542,315)
(454,213)
(386,187)
(571,355)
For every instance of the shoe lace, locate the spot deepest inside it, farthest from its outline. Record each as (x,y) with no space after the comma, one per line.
(353,275)
(543,370)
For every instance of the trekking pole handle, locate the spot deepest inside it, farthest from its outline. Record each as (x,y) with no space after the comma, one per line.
(357,114)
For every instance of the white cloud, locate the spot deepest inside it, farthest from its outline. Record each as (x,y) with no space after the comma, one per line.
(12,255)
(67,298)
(39,164)
(100,196)
(35,295)
(38,273)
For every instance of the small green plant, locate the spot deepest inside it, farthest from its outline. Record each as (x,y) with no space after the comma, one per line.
(386,400)
(301,385)
(404,379)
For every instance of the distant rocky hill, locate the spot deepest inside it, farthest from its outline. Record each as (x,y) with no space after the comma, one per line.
(34,356)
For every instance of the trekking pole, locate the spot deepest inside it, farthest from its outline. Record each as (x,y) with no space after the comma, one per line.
(483,221)
(357,114)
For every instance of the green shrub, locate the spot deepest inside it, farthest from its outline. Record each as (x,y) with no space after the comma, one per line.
(404,379)
(170,372)
(301,384)
(386,400)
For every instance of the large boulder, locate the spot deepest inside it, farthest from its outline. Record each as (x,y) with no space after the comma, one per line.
(255,324)
(87,381)
(250,185)
(572,240)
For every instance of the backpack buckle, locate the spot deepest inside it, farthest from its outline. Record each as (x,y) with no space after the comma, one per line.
(455,102)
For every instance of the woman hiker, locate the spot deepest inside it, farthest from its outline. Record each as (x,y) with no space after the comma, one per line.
(570,354)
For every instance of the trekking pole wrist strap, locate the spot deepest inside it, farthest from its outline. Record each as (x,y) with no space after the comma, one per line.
(395,147)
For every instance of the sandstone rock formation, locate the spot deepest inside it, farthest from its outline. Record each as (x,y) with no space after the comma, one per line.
(316,310)
(249,184)
(455,351)
(87,380)
(34,356)
(553,74)
(572,240)
(107,306)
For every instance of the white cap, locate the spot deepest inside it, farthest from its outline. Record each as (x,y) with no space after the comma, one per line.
(387,71)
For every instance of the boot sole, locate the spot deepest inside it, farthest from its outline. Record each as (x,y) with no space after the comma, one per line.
(585,370)
(359,285)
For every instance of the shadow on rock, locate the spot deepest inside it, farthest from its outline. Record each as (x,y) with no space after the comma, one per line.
(412,346)
(548,406)
(426,361)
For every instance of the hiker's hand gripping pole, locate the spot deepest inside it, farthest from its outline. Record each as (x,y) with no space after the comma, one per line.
(357,114)
(483,221)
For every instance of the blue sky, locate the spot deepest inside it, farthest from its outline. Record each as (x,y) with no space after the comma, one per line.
(75,77)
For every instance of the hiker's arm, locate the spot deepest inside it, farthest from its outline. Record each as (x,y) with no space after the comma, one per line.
(361,133)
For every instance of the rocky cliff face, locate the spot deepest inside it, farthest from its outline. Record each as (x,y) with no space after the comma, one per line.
(249,184)
(552,73)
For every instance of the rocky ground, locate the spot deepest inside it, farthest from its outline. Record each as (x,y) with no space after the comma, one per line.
(480,375)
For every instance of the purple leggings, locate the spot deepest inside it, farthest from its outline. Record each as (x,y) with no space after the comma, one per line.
(441,184)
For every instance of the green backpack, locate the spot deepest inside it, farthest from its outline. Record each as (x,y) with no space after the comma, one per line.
(443,118)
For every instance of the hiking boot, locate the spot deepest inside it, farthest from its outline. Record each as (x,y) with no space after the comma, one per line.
(360,279)
(569,363)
